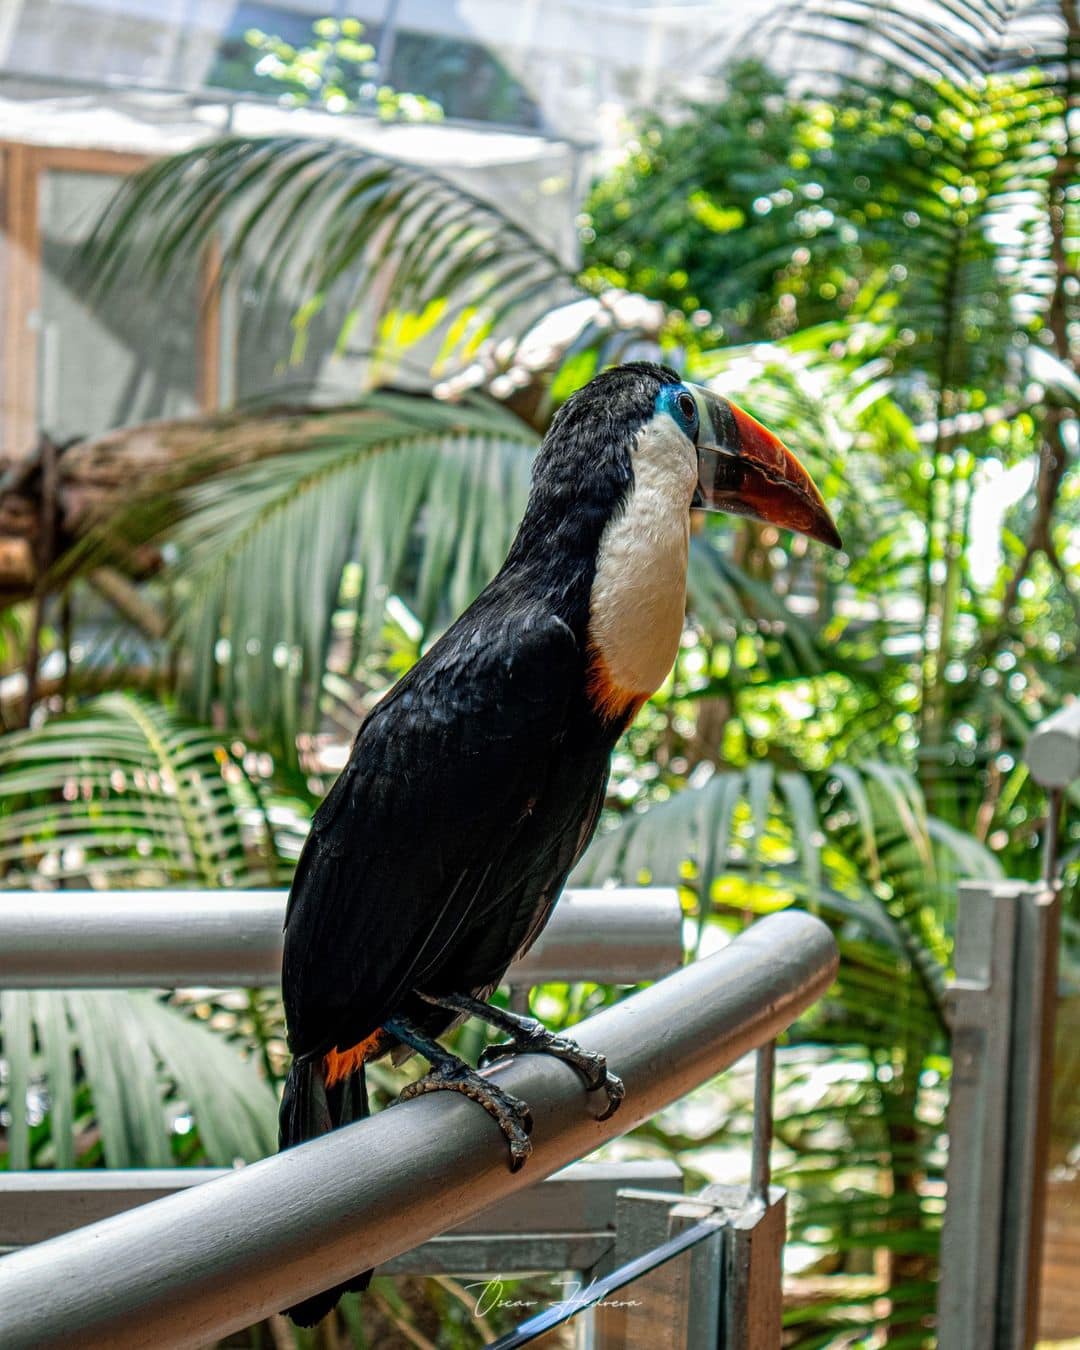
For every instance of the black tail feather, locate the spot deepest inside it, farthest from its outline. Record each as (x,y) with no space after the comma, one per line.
(309,1108)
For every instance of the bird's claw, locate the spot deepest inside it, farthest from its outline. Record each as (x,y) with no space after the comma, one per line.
(615,1088)
(510,1113)
(491,1054)
(589,1064)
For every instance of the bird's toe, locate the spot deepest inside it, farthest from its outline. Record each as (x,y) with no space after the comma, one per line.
(615,1088)
(491,1054)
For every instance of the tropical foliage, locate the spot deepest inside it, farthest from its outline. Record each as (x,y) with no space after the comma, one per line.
(335,69)
(885,272)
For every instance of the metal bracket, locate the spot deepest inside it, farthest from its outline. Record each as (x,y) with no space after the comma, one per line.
(722,1294)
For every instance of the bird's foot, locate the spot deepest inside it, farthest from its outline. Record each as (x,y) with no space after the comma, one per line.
(532,1038)
(510,1113)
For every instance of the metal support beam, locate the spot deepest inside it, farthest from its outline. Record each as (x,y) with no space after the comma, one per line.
(1001,1011)
(752,1295)
(170,939)
(567,1222)
(195,1266)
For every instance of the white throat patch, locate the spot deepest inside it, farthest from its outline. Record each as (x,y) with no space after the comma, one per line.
(639,593)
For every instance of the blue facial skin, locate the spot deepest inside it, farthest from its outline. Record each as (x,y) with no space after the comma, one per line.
(681,406)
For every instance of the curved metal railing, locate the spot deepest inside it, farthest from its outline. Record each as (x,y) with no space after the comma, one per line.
(199,1264)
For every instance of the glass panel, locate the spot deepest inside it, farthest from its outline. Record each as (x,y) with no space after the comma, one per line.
(646,1303)
(106,361)
(650,1311)
(429,52)
(462,75)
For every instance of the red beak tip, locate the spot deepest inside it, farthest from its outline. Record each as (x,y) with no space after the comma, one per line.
(830,535)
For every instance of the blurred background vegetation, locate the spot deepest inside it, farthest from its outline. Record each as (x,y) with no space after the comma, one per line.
(882,266)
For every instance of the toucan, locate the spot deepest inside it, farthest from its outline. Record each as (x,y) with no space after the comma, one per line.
(476,783)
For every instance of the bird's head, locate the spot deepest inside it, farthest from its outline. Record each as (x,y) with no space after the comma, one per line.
(640,422)
(624,462)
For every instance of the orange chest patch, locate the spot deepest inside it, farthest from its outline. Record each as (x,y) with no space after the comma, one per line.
(610,700)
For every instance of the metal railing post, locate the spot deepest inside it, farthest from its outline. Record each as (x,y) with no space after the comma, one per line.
(753,1264)
(727,1292)
(1001,1013)
(1001,1009)
(980,1016)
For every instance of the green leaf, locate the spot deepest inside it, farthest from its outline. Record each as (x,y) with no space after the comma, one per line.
(144,1062)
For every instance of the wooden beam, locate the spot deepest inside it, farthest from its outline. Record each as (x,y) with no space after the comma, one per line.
(208,334)
(22,290)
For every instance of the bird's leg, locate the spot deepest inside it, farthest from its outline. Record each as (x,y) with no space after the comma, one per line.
(450,1074)
(528,1036)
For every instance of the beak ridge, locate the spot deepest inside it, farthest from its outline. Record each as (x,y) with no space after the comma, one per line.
(743,469)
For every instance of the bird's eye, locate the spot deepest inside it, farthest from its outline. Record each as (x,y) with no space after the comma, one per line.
(687,407)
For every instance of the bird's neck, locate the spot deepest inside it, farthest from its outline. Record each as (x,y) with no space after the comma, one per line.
(617,579)
(637,599)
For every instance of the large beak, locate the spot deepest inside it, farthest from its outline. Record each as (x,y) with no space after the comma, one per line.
(745,470)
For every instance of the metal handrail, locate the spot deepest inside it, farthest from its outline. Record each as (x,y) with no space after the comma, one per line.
(195,1266)
(566,1222)
(170,939)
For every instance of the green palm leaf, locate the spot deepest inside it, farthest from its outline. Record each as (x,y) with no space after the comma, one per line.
(124,1078)
(124,792)
(290,532)
(311,216)
(286,566)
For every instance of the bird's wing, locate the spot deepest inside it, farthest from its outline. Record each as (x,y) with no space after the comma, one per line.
(411,835)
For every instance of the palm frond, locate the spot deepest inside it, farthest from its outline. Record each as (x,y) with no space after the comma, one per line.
(854,844)
(124,792)
(305,217)
(285,567)
(284,559)
(125,1079)
(956,42)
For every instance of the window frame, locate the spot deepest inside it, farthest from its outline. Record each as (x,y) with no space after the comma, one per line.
(22,167)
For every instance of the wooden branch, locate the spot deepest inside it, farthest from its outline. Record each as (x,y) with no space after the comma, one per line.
(94,477)
(125,597)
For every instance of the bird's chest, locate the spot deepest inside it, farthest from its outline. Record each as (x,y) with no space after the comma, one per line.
(638,599)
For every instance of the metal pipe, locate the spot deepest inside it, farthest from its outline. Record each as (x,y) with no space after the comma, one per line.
(760,1156)
(1053,748)
(566,1222)
(1052,839)
(196,1266)
(167,939)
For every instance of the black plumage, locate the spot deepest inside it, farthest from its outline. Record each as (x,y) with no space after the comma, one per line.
(476,783)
